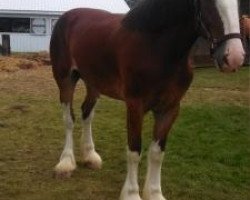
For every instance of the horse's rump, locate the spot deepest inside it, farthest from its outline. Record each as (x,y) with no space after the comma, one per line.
(84,39)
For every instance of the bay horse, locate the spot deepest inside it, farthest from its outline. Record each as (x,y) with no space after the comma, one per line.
(245,31)
(141,58)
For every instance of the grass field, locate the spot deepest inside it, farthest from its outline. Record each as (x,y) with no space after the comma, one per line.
(208,154)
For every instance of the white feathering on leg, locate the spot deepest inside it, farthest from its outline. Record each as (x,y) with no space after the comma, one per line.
(130,190)
(152,187)
(90,157)
(67,161)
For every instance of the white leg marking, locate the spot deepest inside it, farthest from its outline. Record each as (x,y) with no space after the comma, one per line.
(90,157)
(67,160)
(130,189)
(152,187)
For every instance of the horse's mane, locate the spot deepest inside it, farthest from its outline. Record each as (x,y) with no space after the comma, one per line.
(156,15)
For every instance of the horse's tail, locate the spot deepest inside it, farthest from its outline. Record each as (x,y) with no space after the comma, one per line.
(59,49)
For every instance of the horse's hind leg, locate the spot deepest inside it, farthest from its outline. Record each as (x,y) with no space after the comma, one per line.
(67,161)
(89,156)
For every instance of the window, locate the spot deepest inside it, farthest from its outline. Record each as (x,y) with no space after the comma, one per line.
(38,26)
(53,23)
(15,25)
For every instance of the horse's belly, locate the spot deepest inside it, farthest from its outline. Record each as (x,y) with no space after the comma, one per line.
(109,85)
(103,77)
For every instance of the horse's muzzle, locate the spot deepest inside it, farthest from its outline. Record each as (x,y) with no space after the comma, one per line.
(230,63)
(230,57)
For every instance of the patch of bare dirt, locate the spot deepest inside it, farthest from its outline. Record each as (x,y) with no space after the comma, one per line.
(41,57)
(24,61)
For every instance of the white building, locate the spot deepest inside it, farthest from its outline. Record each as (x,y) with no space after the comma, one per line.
(30,22)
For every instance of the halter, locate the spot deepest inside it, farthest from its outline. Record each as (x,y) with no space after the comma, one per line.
(214,42)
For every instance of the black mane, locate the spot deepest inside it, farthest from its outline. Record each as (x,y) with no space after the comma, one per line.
(156,15)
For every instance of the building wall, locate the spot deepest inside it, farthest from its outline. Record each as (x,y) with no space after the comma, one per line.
(29,42)
(22,42)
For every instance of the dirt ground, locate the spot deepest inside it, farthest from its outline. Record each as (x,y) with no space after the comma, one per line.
(23,61)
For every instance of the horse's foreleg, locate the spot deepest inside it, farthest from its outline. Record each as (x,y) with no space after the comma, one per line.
(163,122)
(130,189)
(89,155)
(67,162)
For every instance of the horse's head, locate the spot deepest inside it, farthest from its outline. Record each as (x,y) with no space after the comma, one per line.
(219,23)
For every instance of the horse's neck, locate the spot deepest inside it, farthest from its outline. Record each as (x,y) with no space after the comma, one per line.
(174,44)
(170,24)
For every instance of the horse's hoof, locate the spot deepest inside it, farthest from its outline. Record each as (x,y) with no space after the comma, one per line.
(129,193)
(65,168)
(157,196)
(93,161)
(131,197)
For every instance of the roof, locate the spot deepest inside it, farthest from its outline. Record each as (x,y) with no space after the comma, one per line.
(59,6)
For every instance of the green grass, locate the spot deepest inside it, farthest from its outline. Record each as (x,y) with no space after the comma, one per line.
(207,158)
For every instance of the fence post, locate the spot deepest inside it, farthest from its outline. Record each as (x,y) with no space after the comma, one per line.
(6,45)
